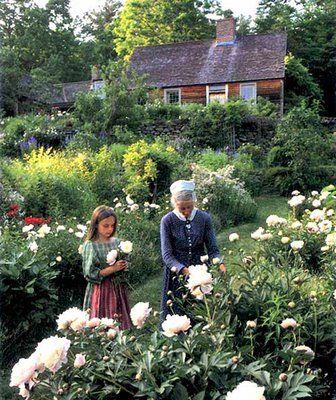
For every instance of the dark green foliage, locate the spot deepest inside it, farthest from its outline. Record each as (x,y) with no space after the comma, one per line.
(302,152)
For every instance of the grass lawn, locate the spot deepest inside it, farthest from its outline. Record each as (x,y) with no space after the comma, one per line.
(151,291)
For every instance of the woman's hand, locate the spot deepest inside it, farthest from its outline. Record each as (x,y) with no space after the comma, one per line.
(222,268)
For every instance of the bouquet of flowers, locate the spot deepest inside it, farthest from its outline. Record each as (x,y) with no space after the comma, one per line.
(122,253)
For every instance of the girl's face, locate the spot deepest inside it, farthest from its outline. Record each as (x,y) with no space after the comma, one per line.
(106,228)
(185,207)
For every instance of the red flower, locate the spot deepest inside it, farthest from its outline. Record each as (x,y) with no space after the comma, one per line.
(36,220)
(13,210)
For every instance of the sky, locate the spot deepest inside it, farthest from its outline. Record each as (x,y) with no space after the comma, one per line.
(79,7)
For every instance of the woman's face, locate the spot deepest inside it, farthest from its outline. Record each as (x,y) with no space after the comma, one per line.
(106,228)
(185,207)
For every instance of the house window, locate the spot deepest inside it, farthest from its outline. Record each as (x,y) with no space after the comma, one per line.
(248,91)
(172,96)
(217,93)
(98,87)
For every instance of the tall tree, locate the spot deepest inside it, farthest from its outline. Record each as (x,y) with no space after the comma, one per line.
(146,22)
(311,29)
(98,32)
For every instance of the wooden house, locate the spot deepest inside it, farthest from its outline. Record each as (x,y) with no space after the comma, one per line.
(207,70)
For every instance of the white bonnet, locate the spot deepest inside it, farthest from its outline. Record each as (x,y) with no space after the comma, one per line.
(181,185)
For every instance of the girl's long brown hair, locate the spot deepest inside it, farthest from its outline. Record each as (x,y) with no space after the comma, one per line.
(100,213)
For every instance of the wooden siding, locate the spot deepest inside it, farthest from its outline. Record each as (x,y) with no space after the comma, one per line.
(193,94)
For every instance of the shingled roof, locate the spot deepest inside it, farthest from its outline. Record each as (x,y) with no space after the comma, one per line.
(64,93)
(249,58)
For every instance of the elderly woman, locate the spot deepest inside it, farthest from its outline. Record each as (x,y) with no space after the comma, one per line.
(186,235)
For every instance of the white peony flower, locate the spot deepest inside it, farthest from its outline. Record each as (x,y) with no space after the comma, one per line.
(199,279)
(251,324)
(58,258)
(204,258)
(60,228)
(109,323)
(139,314)
(325,248)
(296,200)
(118,205)
(233,237)
(216,260)
(126,246)
(247,390)
(331,239)
(295,193)
(288,323)
(70,230)
(80,234)
(266,236)
(256,234)
(317,215)
(44,230)
(52,352)
(68,317)
(330,212)
(82,227)
(24,371)
(33,246)
(312,227)
(175,324)
(296,225)
(297,245)
(314,193)
(93,323)
(316,203)
(27,228)
(79,360)
(112,333)
(325,226)
(274,220)
(134,207)
(285,240)
(111,257)
(129,200)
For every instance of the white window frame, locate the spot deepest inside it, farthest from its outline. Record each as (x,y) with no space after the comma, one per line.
(165,91)
(254,85)
(208,92)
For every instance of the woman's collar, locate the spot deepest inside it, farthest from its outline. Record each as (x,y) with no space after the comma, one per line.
(183,218)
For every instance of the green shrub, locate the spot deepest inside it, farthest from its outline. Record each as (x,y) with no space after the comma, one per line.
(149,169)
(53,184)
(89,113)
(28,297)
(224,196)
(301,146)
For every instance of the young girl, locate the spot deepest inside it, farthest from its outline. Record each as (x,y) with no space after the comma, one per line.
(103,296)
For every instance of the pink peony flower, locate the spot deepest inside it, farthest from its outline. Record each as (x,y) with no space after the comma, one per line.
(288,323)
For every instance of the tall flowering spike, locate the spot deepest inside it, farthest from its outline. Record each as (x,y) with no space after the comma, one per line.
(139,314)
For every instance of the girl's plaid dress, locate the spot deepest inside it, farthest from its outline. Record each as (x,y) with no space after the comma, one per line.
(104,297)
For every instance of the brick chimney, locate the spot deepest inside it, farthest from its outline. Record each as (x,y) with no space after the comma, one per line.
(225,31)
